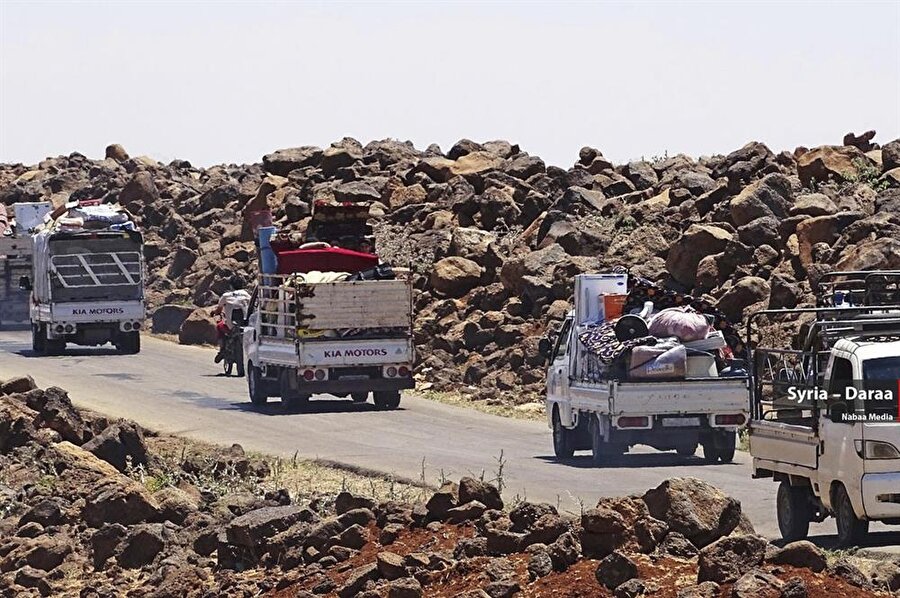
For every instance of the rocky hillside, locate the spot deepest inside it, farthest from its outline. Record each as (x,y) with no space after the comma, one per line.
(495,235)
(78,517)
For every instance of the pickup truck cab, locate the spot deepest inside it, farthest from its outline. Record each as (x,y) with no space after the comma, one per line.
(825,422)
(607,415)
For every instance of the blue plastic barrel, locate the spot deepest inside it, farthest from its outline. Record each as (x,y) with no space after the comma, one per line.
(268,261)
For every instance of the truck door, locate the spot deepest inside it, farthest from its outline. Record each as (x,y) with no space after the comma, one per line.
(558,374)
(838,460)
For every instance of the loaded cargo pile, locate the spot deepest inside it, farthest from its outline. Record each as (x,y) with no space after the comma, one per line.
(632,329)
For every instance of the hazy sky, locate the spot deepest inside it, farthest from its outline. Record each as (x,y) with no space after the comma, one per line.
(230,81)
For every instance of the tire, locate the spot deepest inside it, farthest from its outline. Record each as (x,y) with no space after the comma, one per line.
(727,446)
(563,439)
(129,343)
(686,450)
(601,451)
(710,452)
(851,530)
(359,397)
(55,346)
(296,402)
(256,385)
(794,511)
(719,447)
(38,338)
(239,364)
(387,399)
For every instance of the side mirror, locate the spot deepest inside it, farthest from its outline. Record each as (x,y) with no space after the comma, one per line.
(25,283)
(545,347)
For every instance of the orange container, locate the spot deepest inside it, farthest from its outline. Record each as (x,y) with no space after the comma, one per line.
(613,306)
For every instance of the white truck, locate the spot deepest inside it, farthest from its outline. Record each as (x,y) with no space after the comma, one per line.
(15,257)
(87,289)
(608,415)
(825,421)
(339,338)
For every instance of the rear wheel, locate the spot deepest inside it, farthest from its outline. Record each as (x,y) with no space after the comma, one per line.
(850,529)
(256,385)
(794,511)
(387,399)
(38,338)
(359,397)
(727,446)
(686,450)
(55,346)
(719,447)
(601,450)
(129,343)
(295,402)
(563,439)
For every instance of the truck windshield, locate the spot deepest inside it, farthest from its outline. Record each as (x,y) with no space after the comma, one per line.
(882,374)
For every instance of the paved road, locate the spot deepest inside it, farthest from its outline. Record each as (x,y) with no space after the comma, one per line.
(177,389)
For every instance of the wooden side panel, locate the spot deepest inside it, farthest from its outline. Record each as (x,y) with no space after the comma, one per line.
(357,304)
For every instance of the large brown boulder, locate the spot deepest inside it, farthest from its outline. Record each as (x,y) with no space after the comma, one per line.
(729,558)
(532,268)
(168,319)
(199,328)
(748,291)
(699,241)
(694,508)
(455,276)
(770,196)
(890,155)
(117,152)
(871,254)
(822,229)
(121,445)
(17,384)
(139,191)
(282,162)
(830,161)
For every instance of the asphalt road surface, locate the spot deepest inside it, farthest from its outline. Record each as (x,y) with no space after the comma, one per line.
(177,389)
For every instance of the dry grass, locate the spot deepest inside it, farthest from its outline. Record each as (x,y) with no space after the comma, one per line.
(303,479)
(528,411)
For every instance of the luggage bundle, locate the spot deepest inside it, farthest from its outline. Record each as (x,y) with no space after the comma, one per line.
(89,215)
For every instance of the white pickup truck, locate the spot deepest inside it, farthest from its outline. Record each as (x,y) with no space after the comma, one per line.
(608,416)
(825,420)
(16,247)
(340,338)
(87,289)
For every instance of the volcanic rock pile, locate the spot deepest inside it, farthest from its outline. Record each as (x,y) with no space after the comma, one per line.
(495,235)
(76,520)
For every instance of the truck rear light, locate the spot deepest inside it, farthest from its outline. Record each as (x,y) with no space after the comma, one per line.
(735,419)
(69,329)
(60,328)
(391,372)
(309,375)
(403,371)
(126,326)
(632,422)
(320,374)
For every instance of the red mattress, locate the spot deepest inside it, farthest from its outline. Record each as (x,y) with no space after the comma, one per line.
(333,259)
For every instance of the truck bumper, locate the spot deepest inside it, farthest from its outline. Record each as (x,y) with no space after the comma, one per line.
(350,386)
(881,495)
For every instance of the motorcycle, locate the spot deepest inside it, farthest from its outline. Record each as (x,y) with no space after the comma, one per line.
(233,355)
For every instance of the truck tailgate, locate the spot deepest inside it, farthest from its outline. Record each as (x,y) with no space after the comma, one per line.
(783,442)
(351,352)
(716,395)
